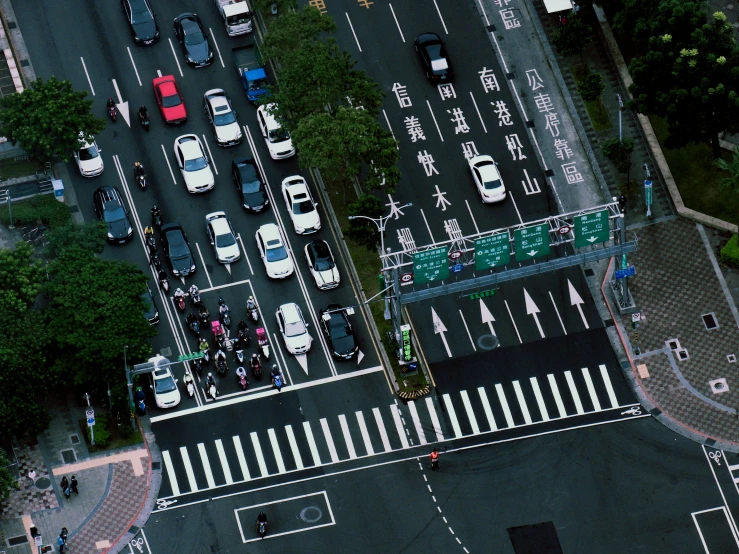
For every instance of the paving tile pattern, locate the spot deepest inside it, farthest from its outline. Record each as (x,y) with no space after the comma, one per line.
(29,498)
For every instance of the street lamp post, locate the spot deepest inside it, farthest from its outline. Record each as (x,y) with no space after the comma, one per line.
(129,382)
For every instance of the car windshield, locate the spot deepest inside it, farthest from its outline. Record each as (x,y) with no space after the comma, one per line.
(303,206)
(113,213)
(165,385)
(171,101)
(238,19)
(278,135)
(276,253)
(89,153)
(224,118)
(324,264)
(225,240)
(142,16)
(339,328)
(294,329)
(196,164)
(257,84)
(250,187)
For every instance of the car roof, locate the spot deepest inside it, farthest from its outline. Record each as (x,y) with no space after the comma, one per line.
(190,146)
(217,100)
(290,312)
(270,231)
(108,193)
(219,224)
(320,247)
(163,80)
(269,119)
(167,227)
(425,38)
(489,171)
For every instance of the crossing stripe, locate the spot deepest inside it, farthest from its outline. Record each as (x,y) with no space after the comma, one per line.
(224,462)
(522,402)
(276,451)
(365,433)
(609,387)
(557,397)
(452,416)
(416,422)
(170,473)
(434,419)
(470,413)
(206,466)
(399,426)
(486,407)
(573,392)
(504,405)
(312,444)
(539,399)
(294,447)
(381,428)
(241,458)
(188,469)
(347,437)
(260,457)
(329,441)
(591,389)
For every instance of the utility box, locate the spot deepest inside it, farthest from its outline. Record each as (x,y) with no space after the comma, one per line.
(58,189)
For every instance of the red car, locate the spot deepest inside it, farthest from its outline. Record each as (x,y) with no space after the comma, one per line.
(169,99)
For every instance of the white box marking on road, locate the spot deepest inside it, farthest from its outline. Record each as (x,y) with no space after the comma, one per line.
(188,469)
(381,428)
(206,466)
(276,450)
(241,457)
(609,386)
(486,407)
(504,405)
(170,473)
(522,402)
(434,419)
(539,398)
(573,392)
(591,389)
(347,437)
(452,416)
(312,444)
(416,422)
(365,433)
(224,462)
(260,456)
(294,447)
(470,413)
(329,441)
(557,397)
(399,426)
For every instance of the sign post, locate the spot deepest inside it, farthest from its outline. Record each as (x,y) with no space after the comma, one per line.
(90,414)
(532,242)
(591,228)
(648,196)
(430,265)
(492,251)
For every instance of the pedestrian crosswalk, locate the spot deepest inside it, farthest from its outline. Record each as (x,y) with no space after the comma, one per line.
(302,445)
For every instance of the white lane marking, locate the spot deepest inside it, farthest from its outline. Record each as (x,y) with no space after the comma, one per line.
(440,17)
(347,437)
(188,469)
(427,225)
(224,462)
(591,389)
(556,310)
(353,33)
(434,419)
(539,398)
(440,329)
(213,38)
(504,404)
(89,82)
(416,422)
(518,213)
(294,447)
(477,230)
(609,387)
(365,434)
(122,106)
(468,331)
(329,440)
(486,407)
(210,154)
(205,268)
(166,159)
(573,392)
(302,360)
(241,458)
(176,59)
(452,415)
(576,300)
(389,127)
(170,473)
(435,122)
(134,66)
(206,465)
(282,356)
(482,11)
(507,307)
(557,396)
(381,429)
(720,490)
(533,310)
(399,426)
(258,452)
(478,112)
(312,444)
(470,413)
(487,317)
(245,254)
(276,450)
(522,402)
(396,22)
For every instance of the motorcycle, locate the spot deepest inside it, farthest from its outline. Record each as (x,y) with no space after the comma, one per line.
(204,316)
(144,120)
(195,298)
(164,283)
(221,367)
(243,334)
(141,180)
(179,299)
(155,261)
(256,368)
(263,342)
(277,381)
(261,528)
(253,313)
(193,325)
(225,316)
(189,385)
(156,218)
(199,366)
(151,244)
(112,113)
(239,355)
(212,391)
(241,378)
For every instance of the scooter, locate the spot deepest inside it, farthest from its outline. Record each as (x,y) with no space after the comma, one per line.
(155,261)
(189,385)
(256,368)
(277,381)
(141,180)
(193,325)
(241,378)
(199,366)
(239,355)
(179,299)
(212,391)
(144,120)
(221,367)
(263,342)
(225,317)
(163,281)
(253,314)
(261,528)
(112,113)
(156,219)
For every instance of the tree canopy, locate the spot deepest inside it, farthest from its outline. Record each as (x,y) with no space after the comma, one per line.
(362,231)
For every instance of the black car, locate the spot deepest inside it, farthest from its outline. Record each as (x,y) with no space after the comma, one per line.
(250,184)
(194,42)
(109,208)
(177,249)
(434,57)
(141,19)
(334,321)
(151,312)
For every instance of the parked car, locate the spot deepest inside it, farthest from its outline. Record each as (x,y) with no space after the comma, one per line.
(278,141)
(177,249)
(193,163)
(300,205)
(110,208)
(193,40)
(222,238)
(142,20)
(170,101)
(339,333)
(88,158)
(151,312)
(249,183)
(163,383)
(222,117)
(434,58)
(293,328)
(487,179)
(322,265)
(273,252)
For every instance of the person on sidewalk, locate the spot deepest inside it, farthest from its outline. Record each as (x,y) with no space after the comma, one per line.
(73,485)
(62,544)
(32,476)
(64,484)
(434,459)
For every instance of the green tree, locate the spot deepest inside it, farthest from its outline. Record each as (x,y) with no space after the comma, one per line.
(90,236)
(7,481)
(362,231)
(570,39)
(294,29)
(591,87)
(95,310)
(283,6)
(619,152)
(730,179)
(47,118)
(642,19)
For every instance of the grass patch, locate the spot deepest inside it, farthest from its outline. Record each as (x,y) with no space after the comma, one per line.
(117,437)
(11,168)
(697,178)
(596,109)
(44,208)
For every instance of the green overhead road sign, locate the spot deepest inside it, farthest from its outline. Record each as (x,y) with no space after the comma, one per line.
(493,251)
(532,242)
(430,265)
(191,356)
(591,228)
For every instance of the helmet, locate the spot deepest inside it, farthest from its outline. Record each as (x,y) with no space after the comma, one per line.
(210,375)
(142,107)
(274,366)
(154,207)
(251,298)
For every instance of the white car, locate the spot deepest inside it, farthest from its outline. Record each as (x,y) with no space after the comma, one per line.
(220,112)
(222,238)
(322,264)
(294,329)
(300,205)
(278,140)
(488,181)
(193,163)
(88,158)
(166,393)
(273,252)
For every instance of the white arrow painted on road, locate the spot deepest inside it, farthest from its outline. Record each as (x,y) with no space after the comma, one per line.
(359,357)
(121,105)
(533,309)
(487,317)
(576,300)
(303,361)
(228,268)
(440,329)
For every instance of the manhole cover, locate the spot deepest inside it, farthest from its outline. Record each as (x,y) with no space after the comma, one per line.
(68,456)
(43,483)
(488,342)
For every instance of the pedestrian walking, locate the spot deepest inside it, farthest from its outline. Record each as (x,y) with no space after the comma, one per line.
(32,476)
(434,459)
(62,544)
(65,483)
(73,485)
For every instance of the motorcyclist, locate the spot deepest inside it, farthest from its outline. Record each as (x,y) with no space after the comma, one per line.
(250,304)
(191,318)
(138,169)
(188,380)
(203,345)
(254,362)
(276,372)
(194,293)
(148,232)
(223,306)
(243,327)
(220,355)
(179,293)
(262,518)
(155,211)
(111,102)
(162,275)
(210,381)
(143,113)
(241,372)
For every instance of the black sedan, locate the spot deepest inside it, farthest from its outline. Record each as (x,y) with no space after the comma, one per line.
(141,19)
(151,312)
(250,184)
(434,58)
(109,208)
(194,42)
(178,250)
(334,321)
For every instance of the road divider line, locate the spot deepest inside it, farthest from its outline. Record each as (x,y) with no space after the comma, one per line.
(507,307)
(557,396)
(434,419)
(392,11)
(210,154)
(474,222)
(89,82)
(557,311)
(135,70)
(169,466)
(176,59)
(417,422)
(276,346)
(591,389)
(440,17)
(224,462)
(573,392)
(243,249)
(399,426)
(428,228)
(276,450)
(312,444)
(166,159)
(504,404)
(213,38)
(347,437)
(242,459)
(389,127)
(188,469)
(478,112)
(294,447)
(329,440)
(381,429)
(202,261)
(522,402)
(428,104)
(353,33)
(609,387)
(470,413)
(466,328)
(206,465)
(365,434)
(539,398)
(486,408)
(258,453)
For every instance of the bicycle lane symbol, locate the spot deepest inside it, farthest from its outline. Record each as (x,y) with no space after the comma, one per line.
(139,544)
